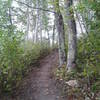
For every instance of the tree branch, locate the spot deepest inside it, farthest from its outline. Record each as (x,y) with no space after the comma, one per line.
(35,7)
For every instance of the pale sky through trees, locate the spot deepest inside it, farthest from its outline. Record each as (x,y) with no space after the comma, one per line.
(20,26)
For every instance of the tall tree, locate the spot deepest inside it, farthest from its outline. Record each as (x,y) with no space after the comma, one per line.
(72,36)
(53,35)
(28,20)
(61,33)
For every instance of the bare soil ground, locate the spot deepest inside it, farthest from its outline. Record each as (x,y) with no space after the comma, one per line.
(40,83)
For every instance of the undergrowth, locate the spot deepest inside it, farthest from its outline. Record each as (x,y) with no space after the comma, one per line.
(88,70)
(17,57)
(88,86)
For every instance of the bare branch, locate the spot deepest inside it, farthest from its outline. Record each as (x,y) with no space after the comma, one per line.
(35,7)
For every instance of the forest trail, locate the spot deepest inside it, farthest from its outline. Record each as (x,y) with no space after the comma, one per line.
(40,83)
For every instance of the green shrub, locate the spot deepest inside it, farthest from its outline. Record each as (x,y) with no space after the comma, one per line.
(16,56)
(88,59)
(89,53)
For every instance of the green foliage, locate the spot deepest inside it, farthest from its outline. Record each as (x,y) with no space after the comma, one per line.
(33,52)
(16,57)
(60,73)
(10,56)
(89,44)
(88,49)
(88,58)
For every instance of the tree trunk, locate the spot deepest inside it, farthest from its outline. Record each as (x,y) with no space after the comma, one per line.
(28,24)
(72,36)
(48,38)
(10,29)
(37,21)
(61,33)
(53,35)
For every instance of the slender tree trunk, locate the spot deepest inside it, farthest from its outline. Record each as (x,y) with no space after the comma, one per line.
(28,21)
(10,21)
(28,24)
(48,38)
(61,33)
(72,36)
(10,17)
(41,36)
(41,31)
(37,22)
(53,35)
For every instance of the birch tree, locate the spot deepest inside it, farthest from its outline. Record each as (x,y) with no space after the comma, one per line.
(28,20)
(53,35)
(72,36)
(61,33)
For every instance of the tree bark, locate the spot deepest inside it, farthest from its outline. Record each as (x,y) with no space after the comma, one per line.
(37,22)
(10,29)
(61,33)
(72,36)
(53,35)
(28,24)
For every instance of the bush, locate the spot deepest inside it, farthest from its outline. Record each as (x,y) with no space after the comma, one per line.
(10,55)
(16,56)
(88,52)
(88,58)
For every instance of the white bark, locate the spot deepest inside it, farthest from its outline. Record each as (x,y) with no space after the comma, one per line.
(61,34)
(28,24)
(28,21)
(37,22)
(72,36)
(53,35)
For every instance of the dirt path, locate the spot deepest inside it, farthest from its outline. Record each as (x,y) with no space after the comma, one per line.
(40,83)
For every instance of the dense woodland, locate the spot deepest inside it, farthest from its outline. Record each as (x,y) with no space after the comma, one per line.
(32,29)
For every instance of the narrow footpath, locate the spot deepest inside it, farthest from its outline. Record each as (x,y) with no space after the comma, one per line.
(40,83)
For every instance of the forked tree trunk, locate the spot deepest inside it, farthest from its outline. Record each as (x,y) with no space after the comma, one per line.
(61,33)
(72,36)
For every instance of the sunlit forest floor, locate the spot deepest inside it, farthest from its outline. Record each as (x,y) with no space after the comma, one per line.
(40,83)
